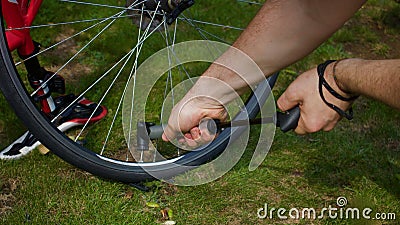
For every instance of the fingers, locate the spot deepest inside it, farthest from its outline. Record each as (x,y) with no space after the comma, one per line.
(190,141)
(311,123)
(168,134)
(165,138)
(314,114)
(195,133)
(197,136)
(190,122)
(288,100)
(300,129)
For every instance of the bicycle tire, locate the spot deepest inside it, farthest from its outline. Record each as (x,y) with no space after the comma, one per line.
(20,100)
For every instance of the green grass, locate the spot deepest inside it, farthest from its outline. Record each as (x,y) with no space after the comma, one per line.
(359,159)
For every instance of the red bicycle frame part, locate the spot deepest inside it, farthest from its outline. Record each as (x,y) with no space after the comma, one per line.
(19,15)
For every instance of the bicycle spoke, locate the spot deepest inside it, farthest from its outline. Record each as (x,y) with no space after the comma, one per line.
(73,57)
(205,37)
(64,23)
(179,63)
(142,39)
(79,51)
(102,76)
(131,74)
(102,5)
(110,86)
(130,8)
(250,2)
(202,31)
(169,77)
(115,16)
(98,46)
(105,94)
(209,23)
(173,99)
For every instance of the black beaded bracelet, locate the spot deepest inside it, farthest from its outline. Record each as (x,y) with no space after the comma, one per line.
(322,83)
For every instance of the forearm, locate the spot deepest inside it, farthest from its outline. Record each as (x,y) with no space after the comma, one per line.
(282,33)
(286,31)
(377,79)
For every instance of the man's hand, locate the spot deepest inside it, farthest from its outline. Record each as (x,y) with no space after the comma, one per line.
(186,117)
(315,114)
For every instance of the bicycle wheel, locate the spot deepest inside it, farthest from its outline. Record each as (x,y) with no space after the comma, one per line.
(79,42)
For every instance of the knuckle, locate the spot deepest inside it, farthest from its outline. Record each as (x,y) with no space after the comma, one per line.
(330,126)
(300,132)
(291,95)
(282,102)
(313,126)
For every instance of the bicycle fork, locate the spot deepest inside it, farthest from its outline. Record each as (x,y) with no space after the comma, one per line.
(19,16)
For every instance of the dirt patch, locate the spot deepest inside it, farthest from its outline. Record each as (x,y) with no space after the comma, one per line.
(387,35)
(71,173)
(393,144)
(72,72)
(7,198)
(67,45)
(387,48)
(63,52)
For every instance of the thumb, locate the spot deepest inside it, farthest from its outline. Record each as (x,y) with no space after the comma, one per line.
(287,100)
(168,134)
(165,138)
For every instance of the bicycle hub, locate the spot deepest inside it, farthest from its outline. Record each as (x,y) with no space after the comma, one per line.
(151,13)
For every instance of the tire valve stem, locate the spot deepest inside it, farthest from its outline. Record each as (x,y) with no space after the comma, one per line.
(143,139)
